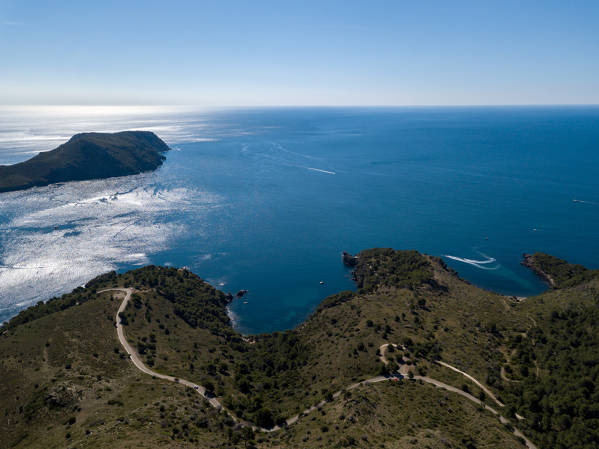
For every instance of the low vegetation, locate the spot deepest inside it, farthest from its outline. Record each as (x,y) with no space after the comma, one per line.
(555,369)
(65,377)
(562,273)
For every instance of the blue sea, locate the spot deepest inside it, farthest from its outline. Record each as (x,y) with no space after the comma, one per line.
(267,199)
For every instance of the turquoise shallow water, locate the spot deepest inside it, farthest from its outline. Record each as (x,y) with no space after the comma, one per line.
(266,200)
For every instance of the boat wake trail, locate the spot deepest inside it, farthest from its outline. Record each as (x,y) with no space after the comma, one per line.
(592,203)
(322,171)
(475,263)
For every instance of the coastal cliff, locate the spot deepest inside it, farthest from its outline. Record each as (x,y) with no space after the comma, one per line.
(87,156)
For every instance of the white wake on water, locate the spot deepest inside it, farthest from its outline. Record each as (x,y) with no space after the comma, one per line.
(475,263)
(593,203)
(322,171)
(277,154)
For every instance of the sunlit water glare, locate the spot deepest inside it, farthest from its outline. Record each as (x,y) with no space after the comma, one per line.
(266,199)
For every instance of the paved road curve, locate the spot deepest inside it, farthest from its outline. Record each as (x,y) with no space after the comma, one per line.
(216,403)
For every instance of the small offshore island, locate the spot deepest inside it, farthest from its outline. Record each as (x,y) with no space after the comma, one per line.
(87,156)
(415,358)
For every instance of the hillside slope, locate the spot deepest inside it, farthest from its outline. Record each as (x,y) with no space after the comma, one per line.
(178,325)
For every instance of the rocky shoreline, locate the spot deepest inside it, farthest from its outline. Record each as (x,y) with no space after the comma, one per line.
(529,261)
(349,260)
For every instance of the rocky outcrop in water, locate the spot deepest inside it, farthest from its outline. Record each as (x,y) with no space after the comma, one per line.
(349,260)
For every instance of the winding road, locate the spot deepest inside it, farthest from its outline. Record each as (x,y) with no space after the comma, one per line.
(468,376)
(404,370)
(214,402)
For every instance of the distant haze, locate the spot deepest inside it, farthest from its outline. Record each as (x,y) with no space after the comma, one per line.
(236,53)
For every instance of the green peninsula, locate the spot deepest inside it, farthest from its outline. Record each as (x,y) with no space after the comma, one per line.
(415,358)
(87,156)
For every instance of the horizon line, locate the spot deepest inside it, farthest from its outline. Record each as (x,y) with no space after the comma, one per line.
(214,106)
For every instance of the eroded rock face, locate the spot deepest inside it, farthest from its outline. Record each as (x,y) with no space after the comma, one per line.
(349,260)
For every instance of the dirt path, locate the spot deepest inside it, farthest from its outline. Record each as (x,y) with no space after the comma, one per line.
(214,402)
(404,371)
(201,390)
(468,376)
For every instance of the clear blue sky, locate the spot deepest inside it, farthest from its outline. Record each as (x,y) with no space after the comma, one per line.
(301,52)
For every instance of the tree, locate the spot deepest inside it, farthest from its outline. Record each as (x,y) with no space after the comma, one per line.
(265,418)
(123,318)
(383,370)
